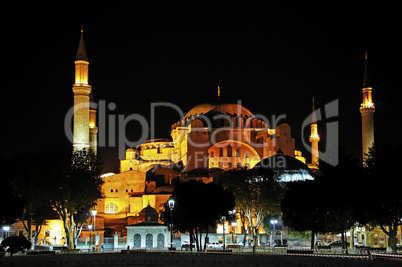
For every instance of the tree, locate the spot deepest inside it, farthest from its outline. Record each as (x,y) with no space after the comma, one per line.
(303,209)
(27,183)
(73,185)
(384,208)
(198,206)
(257,195)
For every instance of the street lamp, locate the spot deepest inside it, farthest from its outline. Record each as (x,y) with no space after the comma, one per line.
(6,229)
(94,212)
(232,215)
(273,222)
(90,235)
(171,207)
(223,227)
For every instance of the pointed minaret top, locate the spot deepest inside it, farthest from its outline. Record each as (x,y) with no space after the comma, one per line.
(366,80)
(314,120)
(92,104)
(81,51)
(219,94)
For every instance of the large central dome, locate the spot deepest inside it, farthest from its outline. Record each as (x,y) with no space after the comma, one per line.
(224,108)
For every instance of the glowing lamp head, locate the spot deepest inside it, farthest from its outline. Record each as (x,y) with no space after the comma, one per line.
(94,212)
(171,203)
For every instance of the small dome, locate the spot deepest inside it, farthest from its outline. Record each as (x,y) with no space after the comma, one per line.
(289,169)
(148,214)
(224,108)
(149,209)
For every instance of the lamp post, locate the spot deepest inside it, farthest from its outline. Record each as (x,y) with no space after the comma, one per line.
(273,222)
(232,215)
(94,212)
(223,224)
(171,207)
(90,235)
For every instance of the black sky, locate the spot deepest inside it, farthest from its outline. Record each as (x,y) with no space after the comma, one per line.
(272,57)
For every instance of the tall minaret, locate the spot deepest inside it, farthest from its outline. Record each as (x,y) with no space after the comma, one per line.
(367,110)
(314,139)
(81,90)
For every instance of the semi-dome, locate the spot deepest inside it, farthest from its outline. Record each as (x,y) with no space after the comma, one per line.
(224,108)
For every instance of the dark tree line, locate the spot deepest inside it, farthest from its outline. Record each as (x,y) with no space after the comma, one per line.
(54,184)
(346,195)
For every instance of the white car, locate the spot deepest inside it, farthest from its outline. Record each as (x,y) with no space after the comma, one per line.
(215,245)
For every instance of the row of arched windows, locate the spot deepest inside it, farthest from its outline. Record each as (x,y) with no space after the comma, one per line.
(149,240)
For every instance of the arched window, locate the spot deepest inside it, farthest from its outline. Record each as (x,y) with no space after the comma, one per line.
(149,241)
(161,240)
(111,207)
(229,150)
(137,241)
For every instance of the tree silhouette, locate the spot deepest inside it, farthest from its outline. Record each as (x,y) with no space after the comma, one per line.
(73,185)
(257,194)
(198,206)
(381,178)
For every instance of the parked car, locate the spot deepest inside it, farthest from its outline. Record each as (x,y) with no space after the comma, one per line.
(337,244)
(186,245)
(215,245)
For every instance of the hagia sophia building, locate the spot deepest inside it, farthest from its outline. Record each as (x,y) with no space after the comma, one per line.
(211,138)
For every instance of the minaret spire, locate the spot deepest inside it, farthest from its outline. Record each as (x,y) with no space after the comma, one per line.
(81,51)
(82,90)
(366,80)
(219,94)
(314,120)
(367,110)
(314,139)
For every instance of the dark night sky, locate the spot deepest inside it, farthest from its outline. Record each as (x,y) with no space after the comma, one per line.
(273,57)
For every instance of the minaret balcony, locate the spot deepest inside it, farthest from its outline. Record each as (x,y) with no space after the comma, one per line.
(81,89)
(314,138)
(367,107)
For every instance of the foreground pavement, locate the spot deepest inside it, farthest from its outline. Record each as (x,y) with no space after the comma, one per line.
(182,260)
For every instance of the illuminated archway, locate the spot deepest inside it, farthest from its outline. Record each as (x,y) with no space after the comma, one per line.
(230,154)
